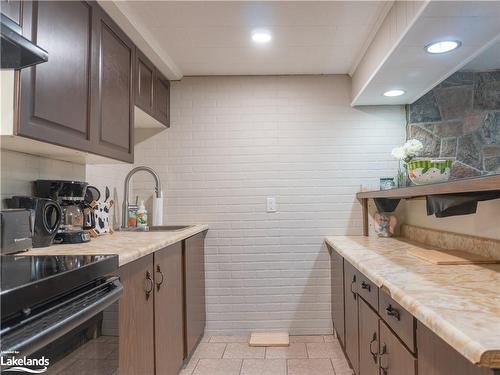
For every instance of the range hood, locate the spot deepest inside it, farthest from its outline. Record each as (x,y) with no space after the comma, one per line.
(17,52)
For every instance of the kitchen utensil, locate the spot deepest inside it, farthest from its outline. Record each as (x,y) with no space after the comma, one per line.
(108,194)
(450,257)
(92,194)
(427,171)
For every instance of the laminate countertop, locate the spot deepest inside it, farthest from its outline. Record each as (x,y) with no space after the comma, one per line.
(129,246)
(461,304)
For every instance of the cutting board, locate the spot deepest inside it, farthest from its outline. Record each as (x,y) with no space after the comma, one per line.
(450,257)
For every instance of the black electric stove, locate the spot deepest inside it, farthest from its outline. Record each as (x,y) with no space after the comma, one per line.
(44,297)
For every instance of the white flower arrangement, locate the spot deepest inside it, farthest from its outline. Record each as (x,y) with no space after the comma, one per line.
(408,151)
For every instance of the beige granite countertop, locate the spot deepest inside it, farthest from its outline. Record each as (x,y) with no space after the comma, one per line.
(461,304)
(128,245)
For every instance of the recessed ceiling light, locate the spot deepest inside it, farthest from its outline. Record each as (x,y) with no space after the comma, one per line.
(394,93)
(443,46)
(261,36)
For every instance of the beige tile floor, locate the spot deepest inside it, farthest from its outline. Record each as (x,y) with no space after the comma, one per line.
(231,355)
(222,355)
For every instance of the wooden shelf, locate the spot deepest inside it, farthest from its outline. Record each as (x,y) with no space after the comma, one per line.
(468,185)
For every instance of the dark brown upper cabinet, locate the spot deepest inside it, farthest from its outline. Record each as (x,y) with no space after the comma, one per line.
(162,99)
(152,90)
(113,101)
(12,9)
(54,97)
(144,83)
(82,98)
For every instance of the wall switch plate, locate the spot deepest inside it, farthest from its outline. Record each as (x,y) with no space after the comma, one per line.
(271,204)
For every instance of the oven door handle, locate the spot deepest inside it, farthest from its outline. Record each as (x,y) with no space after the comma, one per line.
(29,344)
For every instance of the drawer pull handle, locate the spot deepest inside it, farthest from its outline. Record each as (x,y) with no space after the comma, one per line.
(391,311)
(352,283)
(158,272)
(374,353)
(149,285)
(384,364)
(366,286)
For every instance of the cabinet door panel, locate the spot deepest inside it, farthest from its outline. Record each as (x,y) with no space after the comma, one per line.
(114,122)
(54,96)
(351,315)
(136,312)
(394,359)
(195,315)
(169,334)
(144,76)
(337,276)
(162,99)
(12,9)
(436,357)
(368,340)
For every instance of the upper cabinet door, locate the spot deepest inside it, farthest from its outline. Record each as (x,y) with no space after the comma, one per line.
(144,83)
(162,99)
(113,127)
(12,9)
(54,96)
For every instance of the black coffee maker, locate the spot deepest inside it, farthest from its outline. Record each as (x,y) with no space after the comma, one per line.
(76,214)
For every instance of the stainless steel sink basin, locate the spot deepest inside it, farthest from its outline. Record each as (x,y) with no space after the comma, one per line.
(169,227)
(158,228)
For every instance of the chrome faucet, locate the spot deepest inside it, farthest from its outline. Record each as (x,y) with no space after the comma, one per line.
(127,183)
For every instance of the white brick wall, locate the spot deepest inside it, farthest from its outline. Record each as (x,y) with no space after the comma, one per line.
(235,141)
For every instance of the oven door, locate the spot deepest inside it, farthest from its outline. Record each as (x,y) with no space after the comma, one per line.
(56,333)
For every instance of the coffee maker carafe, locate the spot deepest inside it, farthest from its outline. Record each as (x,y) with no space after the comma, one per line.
(76,214)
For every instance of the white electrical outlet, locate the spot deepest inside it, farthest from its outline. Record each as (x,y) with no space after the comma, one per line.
(271,204)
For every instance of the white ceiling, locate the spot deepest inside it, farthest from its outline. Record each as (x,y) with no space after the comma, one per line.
(214,38)
(409,67)
(488,60)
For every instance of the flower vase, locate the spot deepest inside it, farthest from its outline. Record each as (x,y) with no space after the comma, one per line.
(402,177)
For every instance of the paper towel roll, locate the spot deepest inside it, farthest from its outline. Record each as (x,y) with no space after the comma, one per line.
(157,211)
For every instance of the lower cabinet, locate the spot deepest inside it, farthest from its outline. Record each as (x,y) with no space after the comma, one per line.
(394,358)
(382,338)
(351,314)
(169,330)
(368,340)
(136,321)
(436,357)
(151,324)
(337,272)
(194,291)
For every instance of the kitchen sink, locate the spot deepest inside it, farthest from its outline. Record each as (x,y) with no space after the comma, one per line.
(169,227)
(157,228)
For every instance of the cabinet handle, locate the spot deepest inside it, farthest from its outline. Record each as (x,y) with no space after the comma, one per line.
(352,283)
(391,311)
(384,365)
(158,272)
(149,284)
(374,353)
(366,286)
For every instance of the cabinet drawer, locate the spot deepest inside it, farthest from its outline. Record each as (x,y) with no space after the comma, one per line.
(400,320)
(367,290)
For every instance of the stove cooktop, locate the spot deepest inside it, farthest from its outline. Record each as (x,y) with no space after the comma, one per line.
(30,280)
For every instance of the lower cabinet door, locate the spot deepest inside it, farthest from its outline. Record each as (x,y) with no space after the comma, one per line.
(169,337)
(337,277)
(368,340)
(136,326)
(194,269)
(394,358)
(351,316)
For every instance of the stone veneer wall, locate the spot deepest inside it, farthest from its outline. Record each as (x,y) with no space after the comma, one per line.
(460,119)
